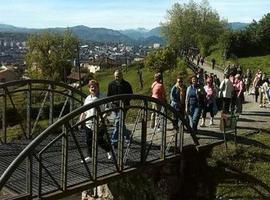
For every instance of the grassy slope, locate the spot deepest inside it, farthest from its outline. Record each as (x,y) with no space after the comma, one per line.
(131,76)
(262,62)
(243,171)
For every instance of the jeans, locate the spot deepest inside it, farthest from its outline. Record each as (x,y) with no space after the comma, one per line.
(114,136)
(194,116)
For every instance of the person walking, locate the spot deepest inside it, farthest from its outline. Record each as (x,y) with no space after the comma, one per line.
(226,90)
(264,92)
(158,92)
(209,103)
(116,87)
(248,80)
(257,82)
(94,94)
(238,94)
(194,102)
(213,61)
(178,96)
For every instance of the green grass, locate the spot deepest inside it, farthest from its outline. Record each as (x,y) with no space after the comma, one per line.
(106,76)
(242,172)
(262,62)
(258,62)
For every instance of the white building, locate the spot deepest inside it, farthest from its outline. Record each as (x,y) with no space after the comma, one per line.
(156,45)
(91,68)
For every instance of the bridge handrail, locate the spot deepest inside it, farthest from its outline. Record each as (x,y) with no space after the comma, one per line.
(27,89)
(34,143)
(43,81)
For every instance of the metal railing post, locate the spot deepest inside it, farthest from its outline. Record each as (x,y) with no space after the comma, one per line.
(121,135)
(163,135)
(4,114)
(29,108)
(51,94)
(64,158)
(95,146)
(144,132)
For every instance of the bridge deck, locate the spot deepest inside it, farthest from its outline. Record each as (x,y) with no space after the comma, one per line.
(77,172)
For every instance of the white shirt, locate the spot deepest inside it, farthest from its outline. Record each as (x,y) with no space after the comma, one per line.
(92,112)
(226,87)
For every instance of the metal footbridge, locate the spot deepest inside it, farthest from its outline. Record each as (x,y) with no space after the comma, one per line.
(43,145)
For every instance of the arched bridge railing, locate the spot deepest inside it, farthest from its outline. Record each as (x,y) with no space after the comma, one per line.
(27,107)
(54,163)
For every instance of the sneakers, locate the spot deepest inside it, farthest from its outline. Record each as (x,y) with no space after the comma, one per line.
(109,156)
(203,123)
(87,159)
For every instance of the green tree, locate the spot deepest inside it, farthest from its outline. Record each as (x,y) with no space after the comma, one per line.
(160,60)
(192,25)
(264,32)
(50,55)
(252,41)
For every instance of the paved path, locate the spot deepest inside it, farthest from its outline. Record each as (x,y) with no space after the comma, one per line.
(252,120)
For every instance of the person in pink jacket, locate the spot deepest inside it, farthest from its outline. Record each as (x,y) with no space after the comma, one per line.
(210,99)
(238,96)
(158,92)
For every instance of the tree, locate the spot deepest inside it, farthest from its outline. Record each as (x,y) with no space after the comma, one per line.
(254,40)
(50,55)
(192,25)
(160,60)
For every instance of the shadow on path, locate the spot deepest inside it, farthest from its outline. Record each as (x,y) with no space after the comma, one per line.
(230,137)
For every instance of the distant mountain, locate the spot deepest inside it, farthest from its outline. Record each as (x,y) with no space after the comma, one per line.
(100,34)
(144,36)
(13,29)
(82,32)
(134,36)
(237,25)
(141,33)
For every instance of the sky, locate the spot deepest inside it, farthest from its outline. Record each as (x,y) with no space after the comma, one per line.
(115,14)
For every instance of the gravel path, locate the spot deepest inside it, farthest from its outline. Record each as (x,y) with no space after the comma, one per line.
(251,121)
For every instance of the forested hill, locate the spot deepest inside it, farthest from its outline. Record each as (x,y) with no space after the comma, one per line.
(91,34)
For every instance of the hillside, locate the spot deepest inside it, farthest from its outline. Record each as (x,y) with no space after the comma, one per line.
(134,36)
(237,25)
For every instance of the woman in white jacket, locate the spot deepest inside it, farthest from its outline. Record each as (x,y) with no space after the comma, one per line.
(226,91)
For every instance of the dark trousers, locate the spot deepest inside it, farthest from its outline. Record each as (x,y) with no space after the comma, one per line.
(226,105)
(103,140)
(89,136)
(208,108)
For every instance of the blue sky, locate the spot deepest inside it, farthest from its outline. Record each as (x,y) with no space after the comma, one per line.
(116,14)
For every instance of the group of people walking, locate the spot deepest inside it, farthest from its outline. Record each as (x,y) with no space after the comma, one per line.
(115,87)
(204,94)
